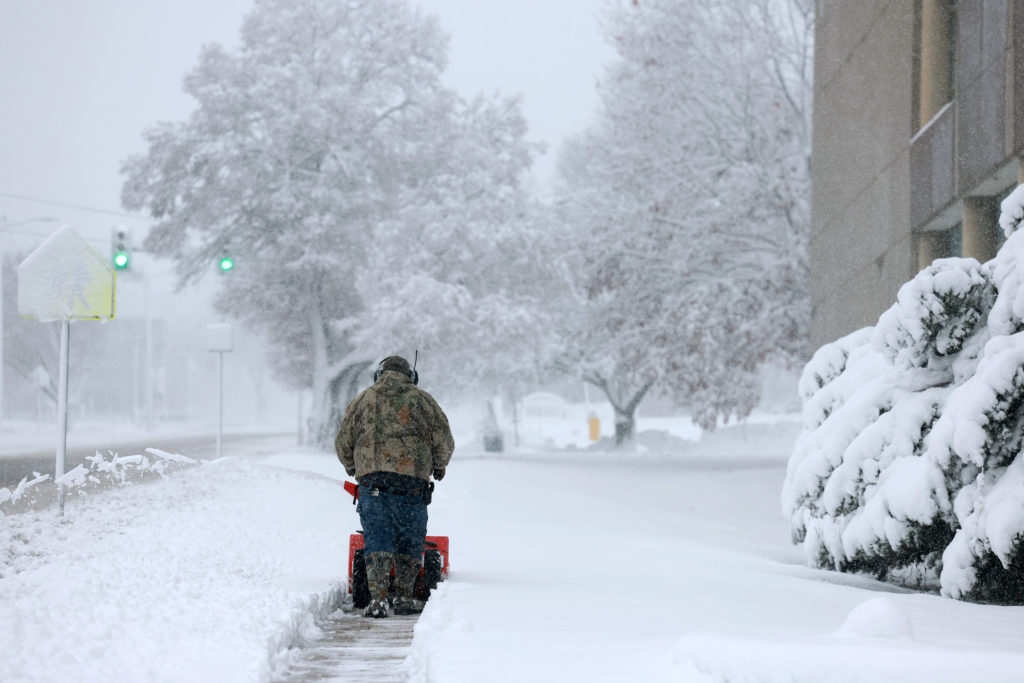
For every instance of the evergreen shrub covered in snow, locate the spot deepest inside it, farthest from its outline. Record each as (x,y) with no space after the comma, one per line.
(909,466)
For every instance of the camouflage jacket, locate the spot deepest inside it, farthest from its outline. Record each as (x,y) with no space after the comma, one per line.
(394,427)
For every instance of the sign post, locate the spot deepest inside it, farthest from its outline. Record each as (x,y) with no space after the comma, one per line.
(219,339)
(65,279)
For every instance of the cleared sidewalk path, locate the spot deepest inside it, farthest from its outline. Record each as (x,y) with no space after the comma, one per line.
(354,649)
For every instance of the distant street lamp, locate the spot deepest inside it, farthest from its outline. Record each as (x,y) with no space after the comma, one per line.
(4,225)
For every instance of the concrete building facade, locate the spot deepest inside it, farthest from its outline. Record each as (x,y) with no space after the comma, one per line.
(918,135)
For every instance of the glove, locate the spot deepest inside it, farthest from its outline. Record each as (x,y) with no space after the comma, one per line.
(350,472)
(439,473)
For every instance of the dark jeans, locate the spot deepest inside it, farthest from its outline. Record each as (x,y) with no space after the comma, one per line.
(392,523)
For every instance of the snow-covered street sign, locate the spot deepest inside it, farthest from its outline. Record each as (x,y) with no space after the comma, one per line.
(219,337)
(66,279)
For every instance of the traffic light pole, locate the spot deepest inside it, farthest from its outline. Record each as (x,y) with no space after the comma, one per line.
(147,376)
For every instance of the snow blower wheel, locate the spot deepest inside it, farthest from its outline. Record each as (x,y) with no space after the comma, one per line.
(433,570)
(359,585)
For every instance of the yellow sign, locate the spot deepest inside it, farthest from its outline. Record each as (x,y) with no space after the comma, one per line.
(66,279)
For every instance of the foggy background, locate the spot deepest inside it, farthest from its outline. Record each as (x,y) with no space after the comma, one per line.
(81,81)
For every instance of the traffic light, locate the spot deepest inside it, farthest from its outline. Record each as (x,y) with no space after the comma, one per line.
(120,250)
(226,264)
(121,259)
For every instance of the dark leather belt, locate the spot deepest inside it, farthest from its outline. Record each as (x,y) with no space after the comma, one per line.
(377,490)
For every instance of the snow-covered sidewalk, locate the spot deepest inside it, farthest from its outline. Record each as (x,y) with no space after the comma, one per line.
(667,565)
(674,567)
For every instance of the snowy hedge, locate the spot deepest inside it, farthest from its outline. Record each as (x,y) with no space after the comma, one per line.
(907,466)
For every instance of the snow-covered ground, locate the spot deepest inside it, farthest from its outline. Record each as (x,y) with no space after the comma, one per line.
(668,563)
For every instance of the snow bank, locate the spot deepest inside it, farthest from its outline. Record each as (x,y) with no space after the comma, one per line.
(9,496)
(209,574)
(636,567)
(566,565)
(99,470)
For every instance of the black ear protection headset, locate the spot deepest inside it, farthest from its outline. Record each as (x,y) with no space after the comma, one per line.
(413,375)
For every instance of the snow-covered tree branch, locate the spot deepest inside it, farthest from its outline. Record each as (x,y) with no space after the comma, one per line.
(690,198)
(327,157)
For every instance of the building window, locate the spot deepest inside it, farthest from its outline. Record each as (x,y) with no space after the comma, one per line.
(936,58)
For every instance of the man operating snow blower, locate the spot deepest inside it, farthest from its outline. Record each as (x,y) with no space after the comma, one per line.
(393,438)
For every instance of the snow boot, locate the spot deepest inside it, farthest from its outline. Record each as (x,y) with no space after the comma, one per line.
(378,575)
(407,568)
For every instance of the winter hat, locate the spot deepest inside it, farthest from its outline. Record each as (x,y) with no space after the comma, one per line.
(396,363)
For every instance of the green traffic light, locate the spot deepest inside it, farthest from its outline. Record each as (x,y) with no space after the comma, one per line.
(226,264)
(121,260)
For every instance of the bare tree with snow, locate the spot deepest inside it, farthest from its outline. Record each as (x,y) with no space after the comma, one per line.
(466,272)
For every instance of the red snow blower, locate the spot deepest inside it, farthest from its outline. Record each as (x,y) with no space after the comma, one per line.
(433,570)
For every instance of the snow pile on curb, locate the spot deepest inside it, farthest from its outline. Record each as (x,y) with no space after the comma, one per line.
(99,471)
(878,634)
(211,574)
(23,487)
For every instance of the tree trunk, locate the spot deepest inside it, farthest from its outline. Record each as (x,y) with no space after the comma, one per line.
(340,391)
(625,426)
(333,388)
(624,402)
(318,416)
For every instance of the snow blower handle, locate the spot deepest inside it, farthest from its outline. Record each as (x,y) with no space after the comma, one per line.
(353,490)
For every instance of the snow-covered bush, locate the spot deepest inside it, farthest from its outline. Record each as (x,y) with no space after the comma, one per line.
(1012,212)
(908,464)
(934,314)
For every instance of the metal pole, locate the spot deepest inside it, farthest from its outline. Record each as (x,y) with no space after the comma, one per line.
(148,369)
(515,420)
(2,259)
(62,411)
(220,399)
